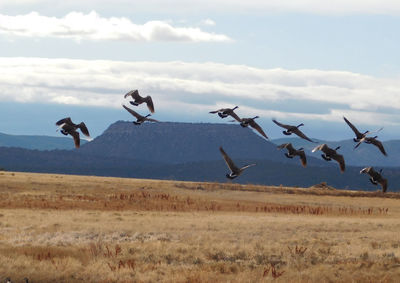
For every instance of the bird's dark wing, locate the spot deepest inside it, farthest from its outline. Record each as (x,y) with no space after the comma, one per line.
(84,129)
(151,120)
(339,158)
(235,116)
(302,135)
(77,140)
(135,94)
(228,161)
(131,93)
(284,145)
(384,184)
(216,111)
(66,121)
(379,145)
(257,127)
(281,125)
(303,157)
(149,103)
(137,115)
(358,134)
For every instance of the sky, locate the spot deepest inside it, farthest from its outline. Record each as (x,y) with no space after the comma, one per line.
(297,61)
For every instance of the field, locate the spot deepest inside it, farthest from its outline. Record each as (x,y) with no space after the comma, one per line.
(61,228)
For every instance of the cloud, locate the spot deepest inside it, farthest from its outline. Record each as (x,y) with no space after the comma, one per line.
(200,87)
(391,7)
(92,26)
(208,22)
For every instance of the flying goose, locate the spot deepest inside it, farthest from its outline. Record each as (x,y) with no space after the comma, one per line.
(69,128)
(140,118)
(292,152)
(225,112)
(375,177)
(244,122)
(139,99)
(374,141)
(293,130)
(235,171)
(329,154)
(358,134)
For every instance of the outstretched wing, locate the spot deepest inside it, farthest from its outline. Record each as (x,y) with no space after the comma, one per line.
(247,166)
(137,115)
(360,142)
(284,145)
(384,184)
(339,158)
(131,93)
(378,144)
(151,120)
(65,120)
(319,147)
(149,103)
(84,129)
(77,140)
(228,161)
(235,116)
(303,157)
(358,134)
(281,125)
(257,127)
(216,111)
(365,170)
(302,135)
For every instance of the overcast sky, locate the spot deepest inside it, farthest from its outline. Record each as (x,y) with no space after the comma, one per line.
(296,61)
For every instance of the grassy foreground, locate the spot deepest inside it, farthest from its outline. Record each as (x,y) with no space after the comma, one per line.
(60,228)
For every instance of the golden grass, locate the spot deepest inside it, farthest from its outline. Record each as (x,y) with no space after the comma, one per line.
(60,228)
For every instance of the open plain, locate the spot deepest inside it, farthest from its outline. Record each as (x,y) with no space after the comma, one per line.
(64,228)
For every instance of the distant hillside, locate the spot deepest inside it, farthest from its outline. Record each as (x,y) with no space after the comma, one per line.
(265,172)
(364,155)
(174,143)
(37,142)
(185,151)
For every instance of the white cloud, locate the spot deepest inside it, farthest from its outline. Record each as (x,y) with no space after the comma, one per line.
(195,6)
(199,87)
(92,26)
(208,22)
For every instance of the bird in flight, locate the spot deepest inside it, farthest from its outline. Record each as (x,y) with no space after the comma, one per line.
(330,153)
(293,130)
(245,122)
(235,171)
(225,112)
(292,152)
(67,127)
(137,99)
(139,118)
(375,177)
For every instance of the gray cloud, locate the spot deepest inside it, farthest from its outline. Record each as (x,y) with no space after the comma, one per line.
(180,85)
(391,7)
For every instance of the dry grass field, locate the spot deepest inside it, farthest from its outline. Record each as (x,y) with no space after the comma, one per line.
(60,228)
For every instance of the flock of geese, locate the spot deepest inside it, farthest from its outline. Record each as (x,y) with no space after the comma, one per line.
(67,127)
